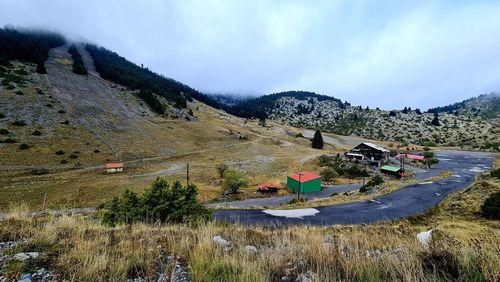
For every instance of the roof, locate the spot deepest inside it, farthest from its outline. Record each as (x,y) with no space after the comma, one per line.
(114,165)
(305,176)
(354,154)
(411,156)
(390,168)
(376,147)
(269,184)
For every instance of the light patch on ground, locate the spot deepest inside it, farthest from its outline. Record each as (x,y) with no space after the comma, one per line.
(476,169)
(427,182)
(297,213)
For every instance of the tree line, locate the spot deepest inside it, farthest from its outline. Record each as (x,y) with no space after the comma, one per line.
(27,45)
(115,68)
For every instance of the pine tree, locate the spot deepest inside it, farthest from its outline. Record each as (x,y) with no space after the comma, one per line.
(435,121)
(317,141)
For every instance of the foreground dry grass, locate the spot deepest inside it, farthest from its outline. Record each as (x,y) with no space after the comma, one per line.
(81,249)
(78,248)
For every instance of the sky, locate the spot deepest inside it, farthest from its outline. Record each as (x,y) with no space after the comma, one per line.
(386,53)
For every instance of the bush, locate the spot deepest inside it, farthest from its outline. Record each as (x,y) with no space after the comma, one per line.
(4,131)
(2,115)
(24,146)
(64,161)
(495,173)
(36,133)
(19,92)
(161,202)
(234,180)
(65,122)
(491,207)
(73,156)
(149,98)
(39,171)
(61,112)
(221,168)
(96,151)
(60,152)
(19,123)
(9,140)
(40,92)
(374,181)
(329,173)
(356,171)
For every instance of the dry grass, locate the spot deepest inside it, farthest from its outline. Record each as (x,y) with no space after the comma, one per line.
(79,248)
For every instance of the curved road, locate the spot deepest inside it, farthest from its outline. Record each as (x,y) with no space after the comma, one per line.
(410,200)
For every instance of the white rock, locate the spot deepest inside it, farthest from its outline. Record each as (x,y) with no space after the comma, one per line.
(251,249)
(21,257)
(425,238)
(221,241)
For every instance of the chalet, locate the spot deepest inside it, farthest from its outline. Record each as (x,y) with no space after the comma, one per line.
(114,167)
(268,187)
(304,182)
(370,152)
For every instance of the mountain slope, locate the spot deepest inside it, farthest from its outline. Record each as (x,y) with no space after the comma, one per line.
(310,110)
(486,106)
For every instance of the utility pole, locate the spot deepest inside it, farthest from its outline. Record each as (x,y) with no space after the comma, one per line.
(44,201)
(300,186)
(187,173)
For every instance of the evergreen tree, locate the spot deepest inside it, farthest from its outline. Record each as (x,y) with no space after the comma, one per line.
(435,120)
(317,141)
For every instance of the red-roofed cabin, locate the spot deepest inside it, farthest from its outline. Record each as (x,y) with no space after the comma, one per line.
(114,167)
(411,157)
(304,182)
(269,187)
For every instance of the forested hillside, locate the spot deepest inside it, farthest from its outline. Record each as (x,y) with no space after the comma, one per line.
(262,106)
(27,45)
(486,106)
(115,68)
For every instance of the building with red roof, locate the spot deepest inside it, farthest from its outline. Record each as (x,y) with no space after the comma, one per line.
(304,182)
(114,167)
(411,157)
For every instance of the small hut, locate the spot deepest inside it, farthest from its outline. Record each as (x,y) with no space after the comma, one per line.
(114,167)
(304,182)
(269,187)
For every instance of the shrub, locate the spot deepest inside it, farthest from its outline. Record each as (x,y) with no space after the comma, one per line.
(73,156)
(356,171)
(64,161)
(39,171)
(49,105)
(221,169)
(495,173)
(60,152)
(430,161)
(2,115)
(9,140)
(4,131)
(19,92)
(24,146)
(161,202)
(65,122)
(61,112)
(234,180)
(329,173)
(19,123)
(40,92)
(96,151)
(491,207)
(374,181)
(36,133)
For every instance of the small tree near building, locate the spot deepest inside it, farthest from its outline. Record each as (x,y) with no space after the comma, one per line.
(317,141)
(234,180)
(430,161)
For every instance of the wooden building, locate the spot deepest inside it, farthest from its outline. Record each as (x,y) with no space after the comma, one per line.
(371,152)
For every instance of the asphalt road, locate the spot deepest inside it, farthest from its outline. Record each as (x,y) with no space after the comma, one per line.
(407,201)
